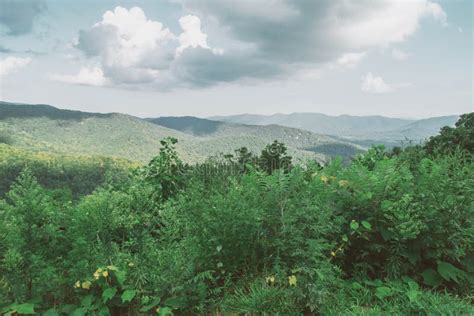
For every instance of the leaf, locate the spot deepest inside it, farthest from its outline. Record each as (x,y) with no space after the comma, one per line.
(165,311)
(354,225)
(108,294)
(219,248)
(356,286)
(431,277)
(366,225)
(51,312)
(128,295)
(153,303)
(87,301)
(121,276)
(450,272)
(25,308)
(382,292)
(80,312)
(413,295)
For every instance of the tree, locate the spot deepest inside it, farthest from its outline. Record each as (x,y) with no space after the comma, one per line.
(449,139)
(274,157)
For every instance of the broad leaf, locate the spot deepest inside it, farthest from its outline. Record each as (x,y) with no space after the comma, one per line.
(108,294)
(128,295)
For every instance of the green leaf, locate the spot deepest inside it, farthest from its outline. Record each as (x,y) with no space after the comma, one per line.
(431,277)
(345,239)
(356,286)
(382,292)
(128,295)
(165,311)
(366,225)
(354,225)
(87,300)
(219,248)
(25,308)
(154,303)
(413,295)
(80,312)
(51,312)
(450,272)
(121,276)
(108,294)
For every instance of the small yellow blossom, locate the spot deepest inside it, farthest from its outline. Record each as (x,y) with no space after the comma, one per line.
(343,183)
(333,253)
(105,274)
(97,273)
(325,179)
(270,279)
(292,280)
(86,285)
(131,264)
(77,284)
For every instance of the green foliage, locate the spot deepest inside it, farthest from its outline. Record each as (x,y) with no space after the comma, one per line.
(389,234)
(450,139)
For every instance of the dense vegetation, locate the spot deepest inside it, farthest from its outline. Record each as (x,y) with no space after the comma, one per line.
(390,233)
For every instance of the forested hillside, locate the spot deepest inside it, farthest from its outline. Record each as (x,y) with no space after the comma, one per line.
(391,233)
(42,127)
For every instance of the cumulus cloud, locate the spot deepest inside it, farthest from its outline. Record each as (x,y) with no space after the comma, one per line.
(11,64)
(375,84)
(93,76)
(257,39)
(350,60)
(400,54)
(18,16)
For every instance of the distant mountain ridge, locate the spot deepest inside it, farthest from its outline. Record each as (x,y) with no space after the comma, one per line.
(357,128)
(43,127)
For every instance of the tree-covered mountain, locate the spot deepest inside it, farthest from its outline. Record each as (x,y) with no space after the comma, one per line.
(362,129)
(43,127)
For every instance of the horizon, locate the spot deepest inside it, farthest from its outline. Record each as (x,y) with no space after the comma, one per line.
(196,58)
(230,115)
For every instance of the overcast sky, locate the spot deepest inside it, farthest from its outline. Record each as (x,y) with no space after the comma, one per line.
(400,58)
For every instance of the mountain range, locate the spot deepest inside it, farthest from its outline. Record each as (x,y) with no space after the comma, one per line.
(365,130)
(307,135)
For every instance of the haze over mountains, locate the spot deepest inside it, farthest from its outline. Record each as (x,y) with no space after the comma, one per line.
(361,129)
(307,135)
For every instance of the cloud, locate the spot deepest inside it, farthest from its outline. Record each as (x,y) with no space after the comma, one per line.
(399,54)
(87,76)
(350,60)
(375,84)
(11,64)
(18,16)
(5,50)
(256,39)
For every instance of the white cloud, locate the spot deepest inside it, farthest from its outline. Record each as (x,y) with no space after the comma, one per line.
(400,54)
(192,35)
(93,76)
(350,60)
(375,84)
(11,64)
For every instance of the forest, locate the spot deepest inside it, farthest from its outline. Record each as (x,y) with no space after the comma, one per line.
(389,233)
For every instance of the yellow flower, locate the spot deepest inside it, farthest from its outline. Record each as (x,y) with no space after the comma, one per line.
(325,179)
(77,284)
(131,264)
(270,279)
(86,285)
(105,274)
(333,253)
(292,280)
(343,183)
(97,273)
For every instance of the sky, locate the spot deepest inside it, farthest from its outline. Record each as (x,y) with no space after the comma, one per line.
(398,58)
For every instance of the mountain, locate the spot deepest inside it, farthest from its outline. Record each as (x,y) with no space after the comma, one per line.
(46,128)
(364,130)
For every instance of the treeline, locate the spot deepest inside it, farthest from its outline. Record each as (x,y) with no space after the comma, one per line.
(391,233)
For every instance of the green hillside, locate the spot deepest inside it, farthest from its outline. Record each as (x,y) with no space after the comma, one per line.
(45,128)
